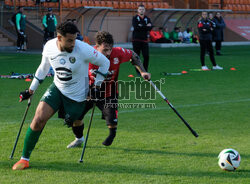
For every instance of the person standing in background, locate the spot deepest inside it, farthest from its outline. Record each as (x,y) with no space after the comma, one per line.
(20,25)
(78,35)
(218,32)
(49,24)
(141,27)
(205,28)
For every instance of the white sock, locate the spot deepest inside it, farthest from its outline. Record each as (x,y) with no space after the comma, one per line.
(82,138)
(27,159)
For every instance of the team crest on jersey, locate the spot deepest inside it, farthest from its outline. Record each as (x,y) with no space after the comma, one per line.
(116,60)
(72,60)
(62,61)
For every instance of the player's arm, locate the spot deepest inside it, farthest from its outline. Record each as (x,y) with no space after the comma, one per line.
(136,61)
(149,25)
(100,60)
(18,18)
(38,79)
(45,21)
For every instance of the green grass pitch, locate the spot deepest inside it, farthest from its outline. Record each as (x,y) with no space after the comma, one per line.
(152,145)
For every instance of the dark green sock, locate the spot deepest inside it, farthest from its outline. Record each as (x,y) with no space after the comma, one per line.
(30,141)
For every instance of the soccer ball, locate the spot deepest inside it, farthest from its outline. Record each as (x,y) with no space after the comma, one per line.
(229,159)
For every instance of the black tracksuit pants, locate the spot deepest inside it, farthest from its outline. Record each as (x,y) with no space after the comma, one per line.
(206,45)
(218,46)
(139,47)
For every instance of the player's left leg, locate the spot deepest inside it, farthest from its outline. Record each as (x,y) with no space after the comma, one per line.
(43,113)
(110,114)
(77,128)
(78,125)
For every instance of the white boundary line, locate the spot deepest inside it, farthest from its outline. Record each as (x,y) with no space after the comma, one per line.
(154,109)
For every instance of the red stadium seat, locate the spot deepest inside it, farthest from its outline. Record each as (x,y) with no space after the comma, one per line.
(109,4)
(91,3)
(97,3)
(248,7)
(122,5)
(8,2)
(165,5)
(84,3)
(244,7)
(156,5)
(239,7)
(230,7)
(236,2)
(235,8)
(149,5)
(116,5)
(30,3)
(22,3)
(103,3)
(78,3)
(128,5)
(72,4)
(65,3)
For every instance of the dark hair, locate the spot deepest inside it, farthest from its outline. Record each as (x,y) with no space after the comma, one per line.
(19,7)
(67,27)
(104,37)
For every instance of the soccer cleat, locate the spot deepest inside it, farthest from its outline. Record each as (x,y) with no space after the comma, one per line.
(217,67)
(76,143)
(21,165)
(204,68)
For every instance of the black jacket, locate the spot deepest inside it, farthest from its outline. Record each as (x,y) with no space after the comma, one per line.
(205,28)
(218,31)
(140,32)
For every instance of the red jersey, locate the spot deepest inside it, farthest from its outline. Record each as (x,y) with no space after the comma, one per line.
(118,56)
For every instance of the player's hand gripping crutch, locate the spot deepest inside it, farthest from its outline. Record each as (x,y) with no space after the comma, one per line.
(172,107)
(23,96)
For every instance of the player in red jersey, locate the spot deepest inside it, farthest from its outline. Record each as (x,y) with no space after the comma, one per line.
(109,95)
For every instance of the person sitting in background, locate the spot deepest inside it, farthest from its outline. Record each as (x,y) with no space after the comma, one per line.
(187,36)
(154,34)
(174,35)
(180,35)
(157,36)
(167,35)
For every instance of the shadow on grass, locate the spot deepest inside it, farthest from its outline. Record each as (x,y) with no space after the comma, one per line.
(162,152)
(159,152)
(122,169)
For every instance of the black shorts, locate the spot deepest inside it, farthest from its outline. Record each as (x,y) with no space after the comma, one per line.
(109,108)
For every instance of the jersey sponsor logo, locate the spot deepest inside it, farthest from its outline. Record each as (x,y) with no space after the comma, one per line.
(62,61)
(63,74)
(72,60)
(116,61)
